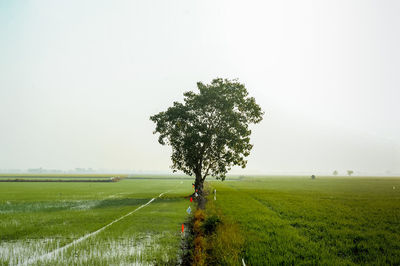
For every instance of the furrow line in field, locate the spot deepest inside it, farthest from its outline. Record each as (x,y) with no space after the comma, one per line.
(58,250)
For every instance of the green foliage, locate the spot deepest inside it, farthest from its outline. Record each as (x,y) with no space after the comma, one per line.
(350,172)
(223,237)
(225,246)
(209,133)
(210,224)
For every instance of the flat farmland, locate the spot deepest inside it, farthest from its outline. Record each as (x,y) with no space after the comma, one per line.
(137,221)
(127,222)
(329,220)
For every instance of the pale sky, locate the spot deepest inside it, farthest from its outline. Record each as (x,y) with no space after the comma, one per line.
(79,80)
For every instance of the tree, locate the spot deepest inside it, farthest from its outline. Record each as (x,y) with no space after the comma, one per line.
(350,172)
(335,172)
(209,133)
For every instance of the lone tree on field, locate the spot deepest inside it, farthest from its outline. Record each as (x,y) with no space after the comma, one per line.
(350,172)
(335,172)
(209,133)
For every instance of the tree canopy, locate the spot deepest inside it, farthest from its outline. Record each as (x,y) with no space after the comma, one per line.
(209,132)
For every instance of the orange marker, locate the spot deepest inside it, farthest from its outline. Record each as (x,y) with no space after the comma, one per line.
(183,228)
(191,199)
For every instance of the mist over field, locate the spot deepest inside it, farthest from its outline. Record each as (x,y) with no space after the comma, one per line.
(78,81)
(120,122)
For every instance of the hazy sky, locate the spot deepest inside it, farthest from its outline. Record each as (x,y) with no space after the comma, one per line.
(79,80)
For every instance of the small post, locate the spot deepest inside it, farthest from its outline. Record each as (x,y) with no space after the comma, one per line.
(215,194)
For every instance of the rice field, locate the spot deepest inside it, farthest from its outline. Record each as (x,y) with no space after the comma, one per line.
(87,223)
(137,221)
(328,221)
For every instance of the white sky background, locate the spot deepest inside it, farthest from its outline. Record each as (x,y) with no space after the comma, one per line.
(79,80)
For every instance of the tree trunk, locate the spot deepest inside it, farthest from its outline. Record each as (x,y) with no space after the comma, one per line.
(198,185)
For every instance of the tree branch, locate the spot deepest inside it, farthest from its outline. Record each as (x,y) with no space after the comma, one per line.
(209,167)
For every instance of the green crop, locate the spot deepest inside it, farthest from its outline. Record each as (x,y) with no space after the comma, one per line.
(39,218)
(334,221)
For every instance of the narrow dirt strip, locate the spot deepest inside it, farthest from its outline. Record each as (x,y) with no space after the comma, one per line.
(61,249)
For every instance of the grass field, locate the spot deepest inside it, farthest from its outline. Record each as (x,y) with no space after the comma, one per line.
(287,220)
(38,218)
(332,221)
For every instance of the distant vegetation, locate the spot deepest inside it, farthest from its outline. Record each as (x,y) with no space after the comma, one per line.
(350,172)
(59,178)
